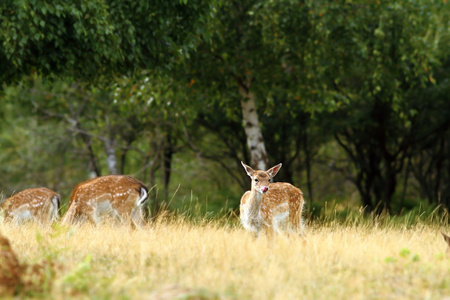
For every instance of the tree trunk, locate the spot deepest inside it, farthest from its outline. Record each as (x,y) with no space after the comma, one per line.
(308,167)
(252,128)
(155,208)
(94,168)
(111,156)
(167,154)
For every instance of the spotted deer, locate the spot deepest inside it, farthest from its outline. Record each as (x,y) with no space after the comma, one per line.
(447,239)
(271,206)
(36,204)
(118,197)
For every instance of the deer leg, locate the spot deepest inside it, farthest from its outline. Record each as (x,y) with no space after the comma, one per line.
(270,235)
(137,214)
(54,209)
(70,214)
(297,223)
(117,217)
(22,215)
(94,217)
(137,217)
(255,226)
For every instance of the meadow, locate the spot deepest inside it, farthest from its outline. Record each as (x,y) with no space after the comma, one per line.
(176,257)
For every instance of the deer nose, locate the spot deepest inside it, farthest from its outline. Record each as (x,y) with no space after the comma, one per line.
(264,189)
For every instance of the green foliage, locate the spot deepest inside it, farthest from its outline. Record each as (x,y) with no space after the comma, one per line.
(406,258)
(373,75)
(140,119)
(89,40)
(78,279)
(36,151)
(380,56)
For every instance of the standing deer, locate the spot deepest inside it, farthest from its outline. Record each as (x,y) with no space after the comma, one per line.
(37,204)
(273,206)
(118,196)
(447,239)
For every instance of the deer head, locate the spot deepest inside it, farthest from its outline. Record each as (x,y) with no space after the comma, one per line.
(261,179)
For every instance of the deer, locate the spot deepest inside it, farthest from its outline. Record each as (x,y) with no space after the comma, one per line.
(35,204)
(447,240)
(118,197)
(271,206)
(11,270)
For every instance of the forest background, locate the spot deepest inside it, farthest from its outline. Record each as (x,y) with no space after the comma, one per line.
(351,96)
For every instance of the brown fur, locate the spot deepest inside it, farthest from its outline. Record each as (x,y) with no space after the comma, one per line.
(21,278)
(10,269)
(119,192)
(261,210)
(39,204)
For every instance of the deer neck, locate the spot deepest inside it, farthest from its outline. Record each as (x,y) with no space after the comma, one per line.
(254,204)
(251,212)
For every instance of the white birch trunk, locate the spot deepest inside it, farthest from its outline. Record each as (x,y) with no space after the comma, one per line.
(255,139)
(111,156)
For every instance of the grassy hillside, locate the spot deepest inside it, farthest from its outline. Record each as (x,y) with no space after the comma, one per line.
(218,260)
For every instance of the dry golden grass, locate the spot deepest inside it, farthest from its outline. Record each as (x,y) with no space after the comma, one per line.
(177,259)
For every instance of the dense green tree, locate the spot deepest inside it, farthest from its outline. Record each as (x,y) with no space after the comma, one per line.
(380,55)
(96,42)
(35,151)
(429,159)
(253,81)
(93,39)
(133,127)
(242,58)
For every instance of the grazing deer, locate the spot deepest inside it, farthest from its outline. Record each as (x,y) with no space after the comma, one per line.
(118,196)
(272,206)
(38,204)
(447,239)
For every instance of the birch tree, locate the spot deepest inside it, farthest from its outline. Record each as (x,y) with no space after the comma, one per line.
(255,140)
(229,56)
(248,52)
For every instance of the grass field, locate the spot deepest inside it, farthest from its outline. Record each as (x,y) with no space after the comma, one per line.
(178,259)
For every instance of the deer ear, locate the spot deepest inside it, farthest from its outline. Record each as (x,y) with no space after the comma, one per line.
(249,170)
(446,238)
(274,170)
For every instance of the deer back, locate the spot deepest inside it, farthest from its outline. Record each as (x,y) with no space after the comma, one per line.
(282,197)
(40,203)
(122,193)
